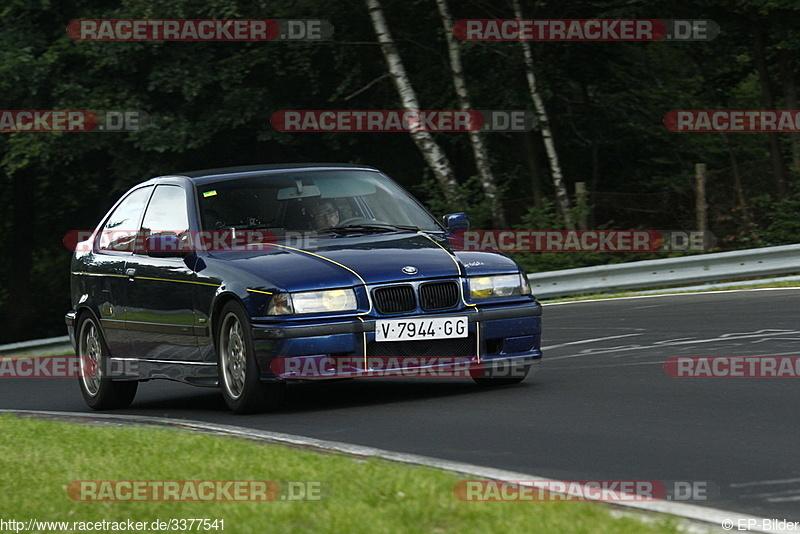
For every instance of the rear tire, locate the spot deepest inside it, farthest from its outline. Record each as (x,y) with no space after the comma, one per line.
(97,388)
(239,375)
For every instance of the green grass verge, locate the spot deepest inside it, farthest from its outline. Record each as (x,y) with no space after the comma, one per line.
(41,457)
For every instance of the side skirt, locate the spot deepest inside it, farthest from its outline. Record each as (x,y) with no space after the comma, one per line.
(194,373)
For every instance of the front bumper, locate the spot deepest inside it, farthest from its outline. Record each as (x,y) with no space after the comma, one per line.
(501,339)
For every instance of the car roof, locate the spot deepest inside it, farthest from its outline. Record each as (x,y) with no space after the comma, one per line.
(214,175)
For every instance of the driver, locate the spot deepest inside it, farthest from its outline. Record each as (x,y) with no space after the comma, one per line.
(324,215)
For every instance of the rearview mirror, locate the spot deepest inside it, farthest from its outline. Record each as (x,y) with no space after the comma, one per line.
(301,191)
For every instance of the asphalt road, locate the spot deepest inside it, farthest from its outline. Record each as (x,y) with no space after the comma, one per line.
(600,408)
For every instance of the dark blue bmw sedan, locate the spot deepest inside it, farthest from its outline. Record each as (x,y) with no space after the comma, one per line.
(247,278)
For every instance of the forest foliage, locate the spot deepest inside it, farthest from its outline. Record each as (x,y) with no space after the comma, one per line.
(210,105)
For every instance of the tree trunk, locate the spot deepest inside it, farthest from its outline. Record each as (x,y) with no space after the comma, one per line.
(786,64)
(544,125)
(475,138)
(430,149)
(737,177)
(595,148)
(760,55)
(532,159)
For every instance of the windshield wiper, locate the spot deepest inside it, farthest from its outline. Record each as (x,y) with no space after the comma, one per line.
(367,228)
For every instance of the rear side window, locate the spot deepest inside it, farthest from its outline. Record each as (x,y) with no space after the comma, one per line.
(119,232)
(166,214)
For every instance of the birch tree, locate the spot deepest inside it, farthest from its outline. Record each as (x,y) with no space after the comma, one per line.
(434,155)
(479,151)
(544,124)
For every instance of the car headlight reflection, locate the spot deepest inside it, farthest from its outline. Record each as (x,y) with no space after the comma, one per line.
(331,300)
(504,285)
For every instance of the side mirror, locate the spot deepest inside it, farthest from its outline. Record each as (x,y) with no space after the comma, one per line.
(456,222)
(165,246)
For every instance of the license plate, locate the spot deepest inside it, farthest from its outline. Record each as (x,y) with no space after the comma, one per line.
(419,329)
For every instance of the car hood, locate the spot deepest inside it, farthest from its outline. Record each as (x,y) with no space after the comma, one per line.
(357,259)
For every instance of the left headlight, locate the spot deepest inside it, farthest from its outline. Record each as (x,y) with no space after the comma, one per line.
(503,285)
(330,300)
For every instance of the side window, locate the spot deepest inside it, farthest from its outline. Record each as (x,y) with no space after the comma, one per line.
(166,214)
(119,232)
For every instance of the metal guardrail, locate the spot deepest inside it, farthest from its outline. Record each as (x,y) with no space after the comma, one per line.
(668,272)
(52,345)
(702,268)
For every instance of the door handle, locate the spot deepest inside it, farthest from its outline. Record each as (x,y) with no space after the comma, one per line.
(131,273)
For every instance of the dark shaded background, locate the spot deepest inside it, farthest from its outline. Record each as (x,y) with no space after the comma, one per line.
(211,103)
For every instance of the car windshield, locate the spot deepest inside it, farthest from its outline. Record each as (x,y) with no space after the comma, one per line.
(335,202)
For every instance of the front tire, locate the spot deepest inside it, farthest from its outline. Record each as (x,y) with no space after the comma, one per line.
(239,375)
(97,388)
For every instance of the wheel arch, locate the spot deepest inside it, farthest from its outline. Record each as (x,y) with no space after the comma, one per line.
(82,311)
(219,302)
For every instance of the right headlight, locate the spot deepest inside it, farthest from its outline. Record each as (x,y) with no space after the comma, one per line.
(503,285)
(329,300)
